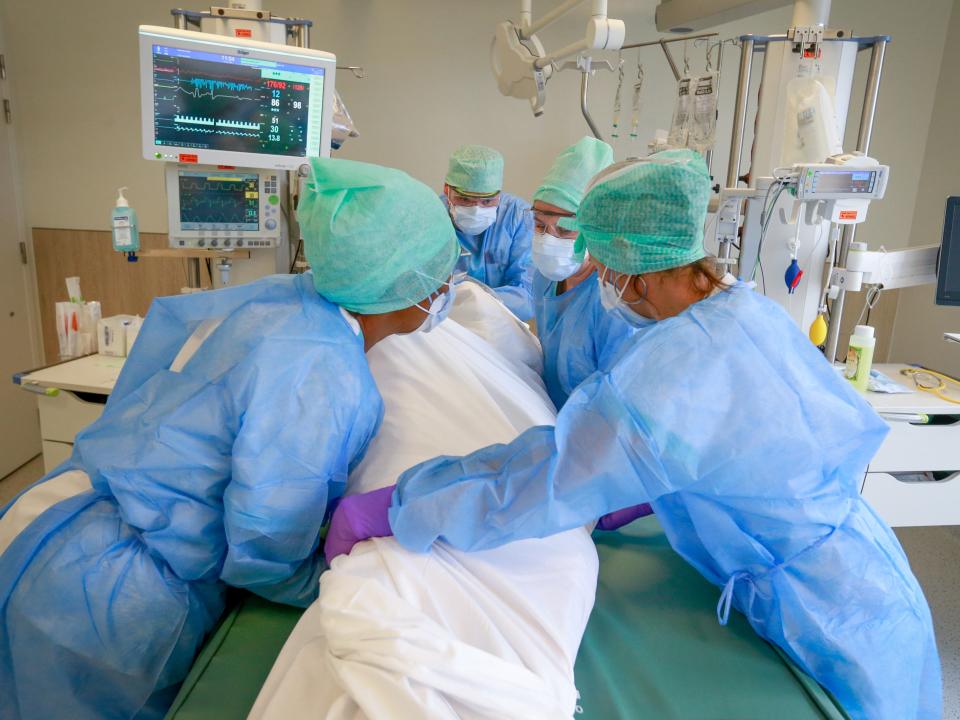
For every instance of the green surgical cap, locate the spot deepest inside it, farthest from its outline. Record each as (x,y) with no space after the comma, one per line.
(475,169)
(377,240)
(567,180)
(646,215)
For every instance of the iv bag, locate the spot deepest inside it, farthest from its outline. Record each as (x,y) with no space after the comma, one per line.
(635,115)
(680,127)
(810,127)
(616,104)
(703,128)
(343,127)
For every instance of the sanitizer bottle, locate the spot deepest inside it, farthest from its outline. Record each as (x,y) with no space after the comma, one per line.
(860,356)
(126,235)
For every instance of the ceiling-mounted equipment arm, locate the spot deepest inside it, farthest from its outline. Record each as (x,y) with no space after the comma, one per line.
(521,65)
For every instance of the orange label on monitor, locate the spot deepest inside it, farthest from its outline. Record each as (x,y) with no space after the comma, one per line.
(848,214)
(243,32)
(188,158)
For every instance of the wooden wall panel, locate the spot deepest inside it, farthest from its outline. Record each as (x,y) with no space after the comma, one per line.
(105,275)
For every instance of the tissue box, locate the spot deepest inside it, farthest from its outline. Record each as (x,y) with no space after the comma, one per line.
(115,334)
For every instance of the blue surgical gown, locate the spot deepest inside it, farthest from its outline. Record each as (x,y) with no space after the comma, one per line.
(499,257)
(577,335)
(219,474)
(751,449)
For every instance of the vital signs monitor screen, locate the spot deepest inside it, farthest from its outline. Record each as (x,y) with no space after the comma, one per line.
(219,200)
(212,101)
(233,102)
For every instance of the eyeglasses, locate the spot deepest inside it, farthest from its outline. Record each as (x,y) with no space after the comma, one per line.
(472,201)
(933,382)
(544,222)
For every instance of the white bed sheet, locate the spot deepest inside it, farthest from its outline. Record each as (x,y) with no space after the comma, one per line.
(446,634)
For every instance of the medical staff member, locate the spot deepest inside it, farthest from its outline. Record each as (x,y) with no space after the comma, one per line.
(724,416)
(493,227)
(577,335)
(235,421)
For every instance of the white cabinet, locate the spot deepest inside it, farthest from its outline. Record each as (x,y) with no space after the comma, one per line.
(907,503)
(83,386)
(894,483)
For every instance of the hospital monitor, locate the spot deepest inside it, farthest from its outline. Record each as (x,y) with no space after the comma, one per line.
(948,270)
(217,100)
(222,209)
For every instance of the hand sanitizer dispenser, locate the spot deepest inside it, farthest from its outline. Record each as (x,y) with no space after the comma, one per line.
(126,234)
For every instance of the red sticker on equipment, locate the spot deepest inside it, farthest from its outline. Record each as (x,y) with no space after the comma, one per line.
(848,214)
(188,158)
(243,32)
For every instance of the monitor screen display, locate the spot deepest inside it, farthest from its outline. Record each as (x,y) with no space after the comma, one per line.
(948,272)
(219,201)
(211,101)
(844,181)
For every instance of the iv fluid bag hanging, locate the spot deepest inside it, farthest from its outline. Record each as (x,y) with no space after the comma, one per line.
(616,103)
(810,123)
(703,128)
(635,114)
(682,110)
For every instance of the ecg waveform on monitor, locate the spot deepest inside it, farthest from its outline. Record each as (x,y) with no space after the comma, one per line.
(205,87)
(216,200)
(212,86)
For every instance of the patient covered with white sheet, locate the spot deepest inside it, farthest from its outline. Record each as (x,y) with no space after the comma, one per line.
(491,634)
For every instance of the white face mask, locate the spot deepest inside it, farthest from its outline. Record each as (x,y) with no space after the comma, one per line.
(554,257)
(612,300)
(438,310)
(473,219)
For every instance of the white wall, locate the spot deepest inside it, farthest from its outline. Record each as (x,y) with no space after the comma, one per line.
(920,324)
(428,89)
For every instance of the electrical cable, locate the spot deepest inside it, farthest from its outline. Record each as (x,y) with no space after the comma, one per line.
(765,217)
(296,255)
(870,302)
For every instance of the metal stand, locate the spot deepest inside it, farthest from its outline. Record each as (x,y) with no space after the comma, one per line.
(750,44)
(297,33)
(663,42)
(863,145)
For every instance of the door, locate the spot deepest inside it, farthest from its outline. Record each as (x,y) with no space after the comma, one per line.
(19,423)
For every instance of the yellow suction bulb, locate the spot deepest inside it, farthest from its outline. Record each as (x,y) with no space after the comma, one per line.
(818,331)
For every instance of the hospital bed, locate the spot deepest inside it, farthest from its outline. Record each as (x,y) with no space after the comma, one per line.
(653,648)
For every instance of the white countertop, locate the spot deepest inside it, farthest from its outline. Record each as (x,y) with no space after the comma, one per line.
(92,373)
(917,401)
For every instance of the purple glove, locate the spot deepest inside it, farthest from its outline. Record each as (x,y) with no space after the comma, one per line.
(619,518)
(357,518)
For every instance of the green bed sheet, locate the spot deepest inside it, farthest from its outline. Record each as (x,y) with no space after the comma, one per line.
(653,649)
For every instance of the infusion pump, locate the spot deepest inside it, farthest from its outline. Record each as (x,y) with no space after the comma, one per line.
(224,208)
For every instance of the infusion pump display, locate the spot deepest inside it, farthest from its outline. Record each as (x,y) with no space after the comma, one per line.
(835,182)
(223,209)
